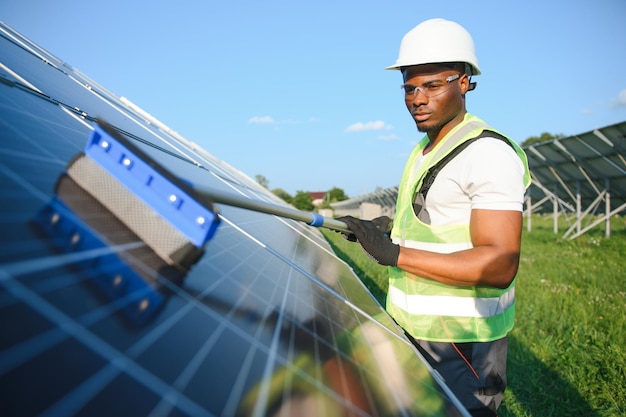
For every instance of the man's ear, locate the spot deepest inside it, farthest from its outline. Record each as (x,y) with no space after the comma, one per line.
(465,84)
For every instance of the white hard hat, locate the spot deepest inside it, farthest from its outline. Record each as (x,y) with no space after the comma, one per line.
(435,41)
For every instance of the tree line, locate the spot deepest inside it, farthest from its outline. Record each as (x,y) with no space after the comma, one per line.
(303,200)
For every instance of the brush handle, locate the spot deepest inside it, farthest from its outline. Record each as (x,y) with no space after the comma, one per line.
(312,219)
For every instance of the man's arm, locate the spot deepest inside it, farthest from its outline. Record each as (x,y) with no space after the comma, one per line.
(493,260)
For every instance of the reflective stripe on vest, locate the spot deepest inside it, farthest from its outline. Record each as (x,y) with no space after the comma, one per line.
(447,305)
(425,308)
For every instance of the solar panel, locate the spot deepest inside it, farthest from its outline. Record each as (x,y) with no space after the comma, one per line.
(587,161)
(583,174)
(267,322)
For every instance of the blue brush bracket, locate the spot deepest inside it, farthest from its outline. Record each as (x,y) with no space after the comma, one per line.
(196,221)
(133,295)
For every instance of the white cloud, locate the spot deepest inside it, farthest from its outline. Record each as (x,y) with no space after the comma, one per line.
(619,102)
(387,138)
(261,120)
(621,99)
(363,127)
(266,120)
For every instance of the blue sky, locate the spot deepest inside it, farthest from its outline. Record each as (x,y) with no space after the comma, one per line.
(297,91)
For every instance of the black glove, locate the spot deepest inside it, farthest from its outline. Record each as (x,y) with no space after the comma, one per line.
(374,238)
(383,223)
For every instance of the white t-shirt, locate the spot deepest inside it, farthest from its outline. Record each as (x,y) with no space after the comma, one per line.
(487,174)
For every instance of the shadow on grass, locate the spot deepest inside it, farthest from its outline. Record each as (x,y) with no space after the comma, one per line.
(537,389)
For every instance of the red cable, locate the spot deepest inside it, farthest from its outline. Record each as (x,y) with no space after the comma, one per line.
(466,361)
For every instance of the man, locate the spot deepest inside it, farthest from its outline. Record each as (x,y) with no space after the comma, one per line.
(455,241)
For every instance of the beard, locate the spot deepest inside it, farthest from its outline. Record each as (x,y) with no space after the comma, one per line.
(428,127)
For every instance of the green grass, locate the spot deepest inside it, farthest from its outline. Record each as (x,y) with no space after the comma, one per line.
(567,353)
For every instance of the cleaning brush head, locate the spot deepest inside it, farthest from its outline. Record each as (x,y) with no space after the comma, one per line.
(166,213)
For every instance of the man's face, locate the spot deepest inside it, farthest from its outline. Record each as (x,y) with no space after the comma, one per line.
(438,102)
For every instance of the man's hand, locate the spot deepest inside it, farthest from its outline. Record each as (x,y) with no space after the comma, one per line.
(374,238)
(382,223)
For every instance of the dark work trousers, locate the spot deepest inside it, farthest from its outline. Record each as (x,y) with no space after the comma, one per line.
(475,372)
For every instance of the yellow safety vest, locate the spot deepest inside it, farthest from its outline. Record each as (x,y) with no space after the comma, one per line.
(425,308)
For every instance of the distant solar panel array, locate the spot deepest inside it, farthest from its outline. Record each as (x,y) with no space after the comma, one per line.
(582,175)
(267,322)
(385,198)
